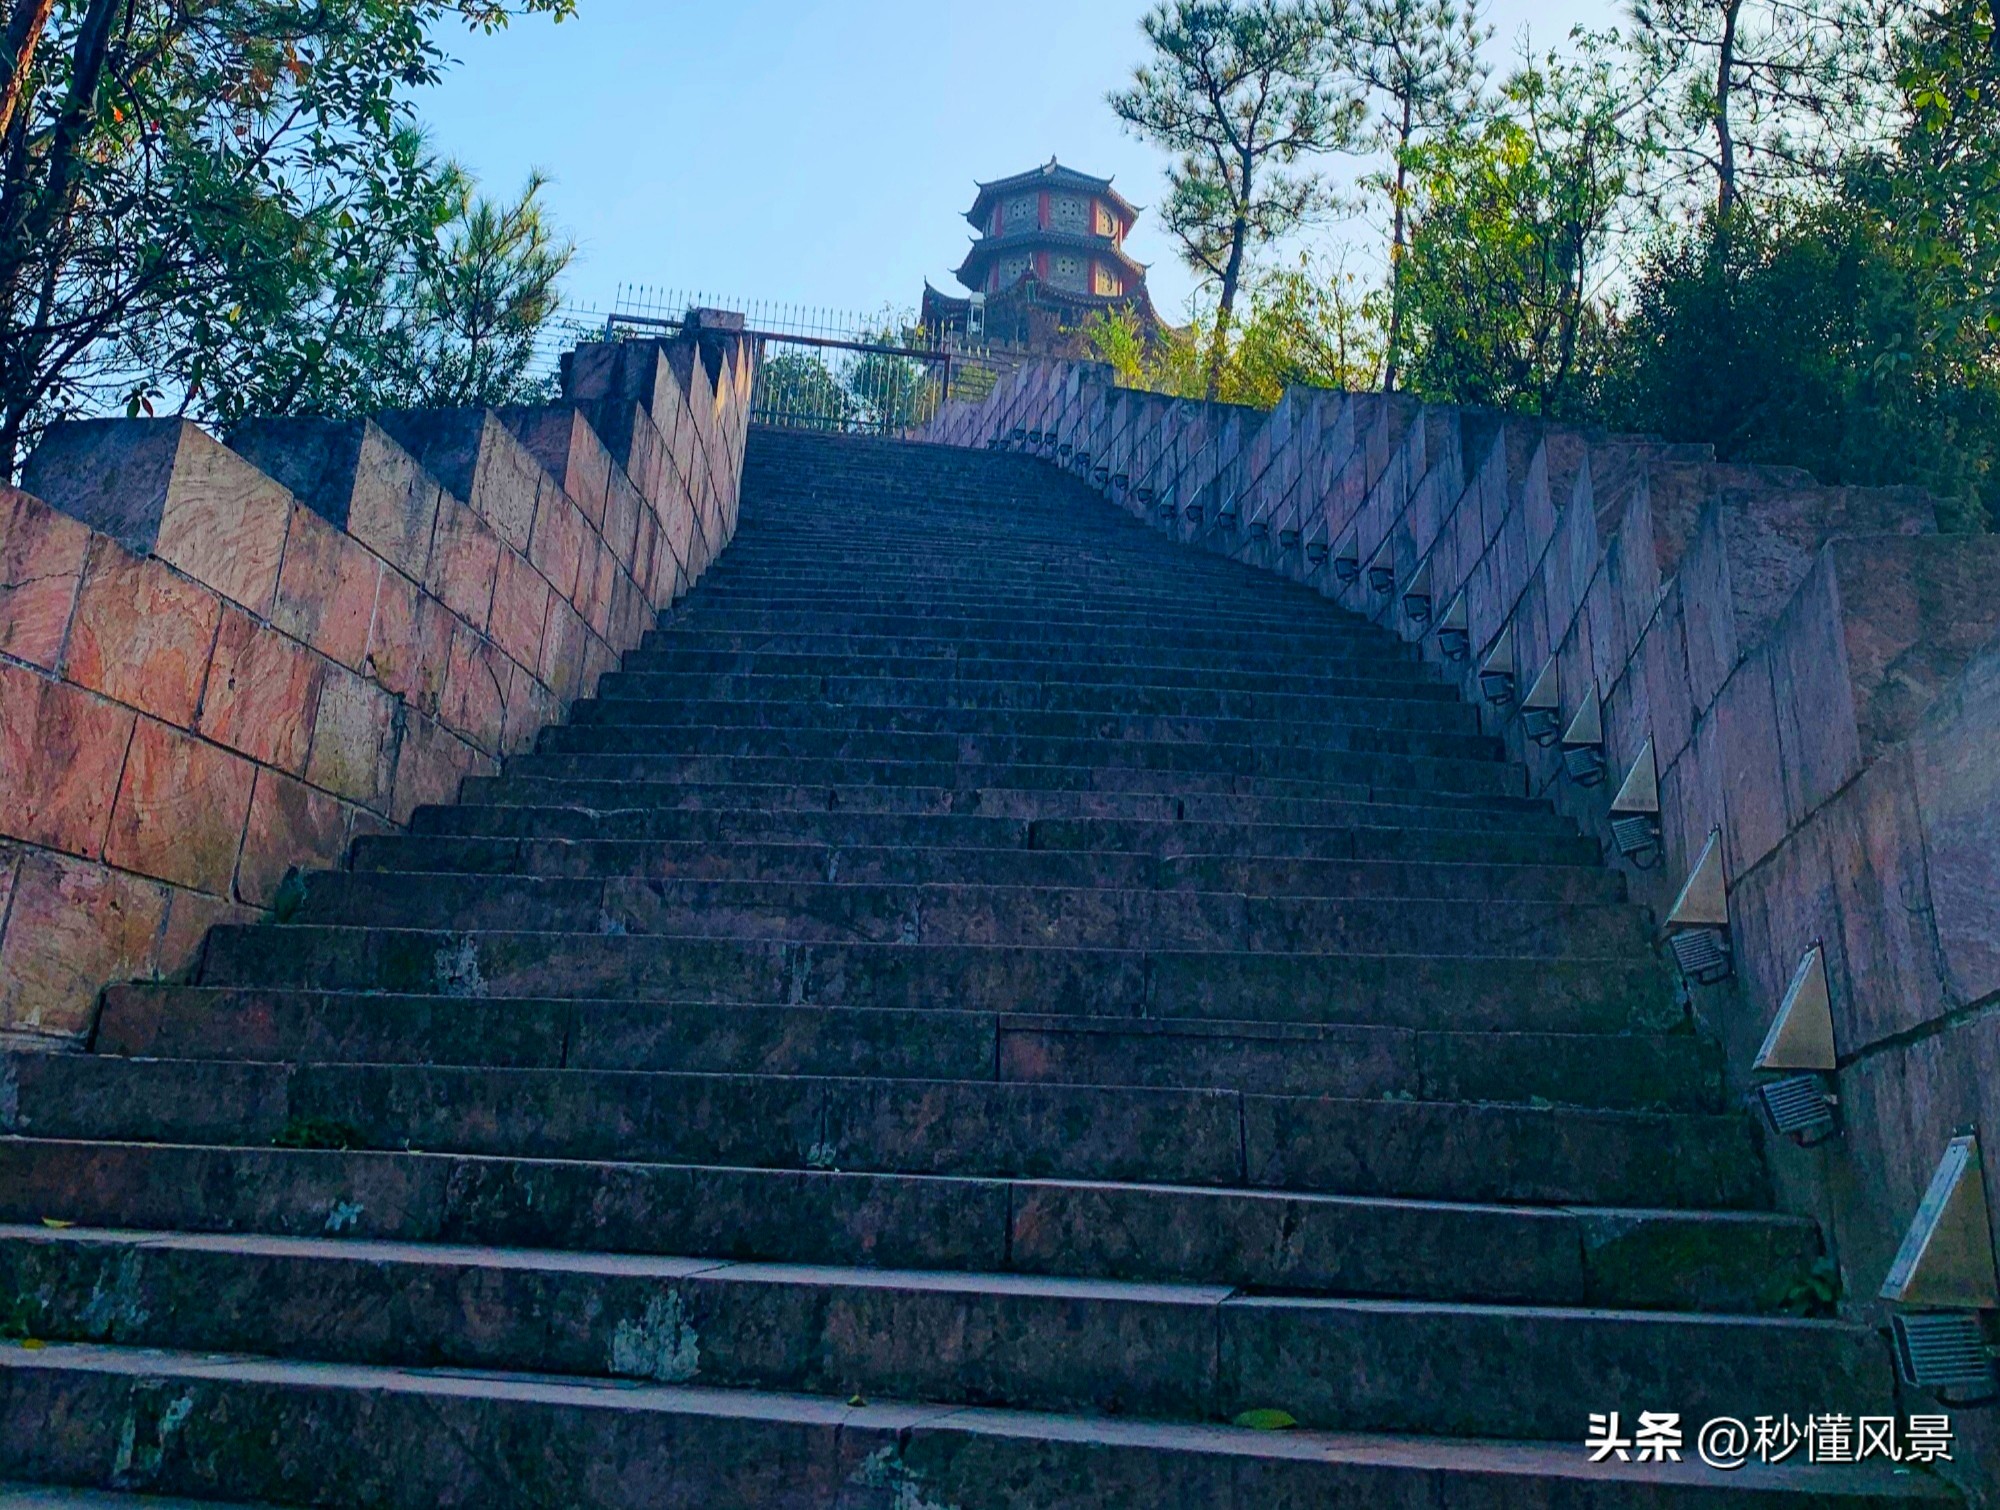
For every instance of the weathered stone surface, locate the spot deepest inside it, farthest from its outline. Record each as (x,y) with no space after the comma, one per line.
(72,926)
(1958,797)
(409,644)
(61,752)
(354,739)
(143,634)
(41,562)
(224,522)
(180,810)
(465,558)
(263,693)
(520,609)
(475,690)
(326,590)
(291,826)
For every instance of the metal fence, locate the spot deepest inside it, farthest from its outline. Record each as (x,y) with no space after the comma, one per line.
(819,368)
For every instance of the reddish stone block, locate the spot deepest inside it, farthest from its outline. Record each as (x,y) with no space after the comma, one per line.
(61,751)
(291,825)
(225,522)
(1752,765)
(180,810)
(520,609)
(557,547)
(263,690)
(41,561)
(434,764)
(562,651)
(409,646)
(1876,837)
(326,590)
(464,561)
(531,707)
(74,928)
(142,634)
(475,690)
(1958,796)
(190,916)
(621,519)
(354,739)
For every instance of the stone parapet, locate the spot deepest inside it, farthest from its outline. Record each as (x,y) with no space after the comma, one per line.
(1816,668)
(220,663)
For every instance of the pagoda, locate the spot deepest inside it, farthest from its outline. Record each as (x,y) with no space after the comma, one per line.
(1049,253)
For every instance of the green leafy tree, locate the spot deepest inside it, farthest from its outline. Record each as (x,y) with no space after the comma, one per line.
(1243,92)
(1762,93)
(1418,63)
(799,388)
(172,164)
(1511,265)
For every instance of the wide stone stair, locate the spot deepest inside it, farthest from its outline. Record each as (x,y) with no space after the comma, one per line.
(982,999)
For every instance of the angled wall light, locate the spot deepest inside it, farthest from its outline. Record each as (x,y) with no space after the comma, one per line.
(1347,560)
(1942,1281)
(1288,539)
(1417,594)
(1382,569)
(1583,742)
(1635,812)
(1698,926)
(1497,673)
(1455,630)
(1799,1050)
(1541,709)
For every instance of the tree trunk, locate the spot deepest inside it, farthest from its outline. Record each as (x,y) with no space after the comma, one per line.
(1725,136)
(1398,230)
(24,34)
(1232,274)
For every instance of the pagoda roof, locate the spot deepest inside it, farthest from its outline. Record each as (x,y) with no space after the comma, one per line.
(983,251)
(1050,175)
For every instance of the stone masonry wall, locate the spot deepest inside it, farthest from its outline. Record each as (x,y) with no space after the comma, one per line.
(219,662)
(1817,669)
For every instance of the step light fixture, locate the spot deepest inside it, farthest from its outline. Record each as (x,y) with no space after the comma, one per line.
(1100,475)
(1382,570)
(1229,514)
(1541,709)
(1121,480)
(1697,928)
(1260,529)
(1347,561)
(1455,631)
(1317,552)
(1635,812)
(1497,673)
(1801,1104)
(1944,1285)
(1417,594)
(1583,742)
(1288,539)
(1146,497)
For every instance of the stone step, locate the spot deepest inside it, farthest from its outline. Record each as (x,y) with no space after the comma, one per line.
(1174,1352)
(672,673)
(610,707)
(910,864)
(1039,796)
(947,913)
(1214,649)
(660,728)
(901,783)
(1632,1070)
(1395,833)
(1426,1150)
(1464,994)
(58,1497)
(685,629)
(406,1439)
(1268,1241)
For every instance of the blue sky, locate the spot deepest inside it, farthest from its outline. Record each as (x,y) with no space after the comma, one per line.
(812,152)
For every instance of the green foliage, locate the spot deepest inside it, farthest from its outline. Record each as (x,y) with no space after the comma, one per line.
(1241,92)
(1504,294)
(179,174)
(1302,325)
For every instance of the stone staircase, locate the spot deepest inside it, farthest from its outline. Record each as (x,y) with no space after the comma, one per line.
(982,998)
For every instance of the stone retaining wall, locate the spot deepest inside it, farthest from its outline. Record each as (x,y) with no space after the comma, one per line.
(1818,671)
(219,663)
